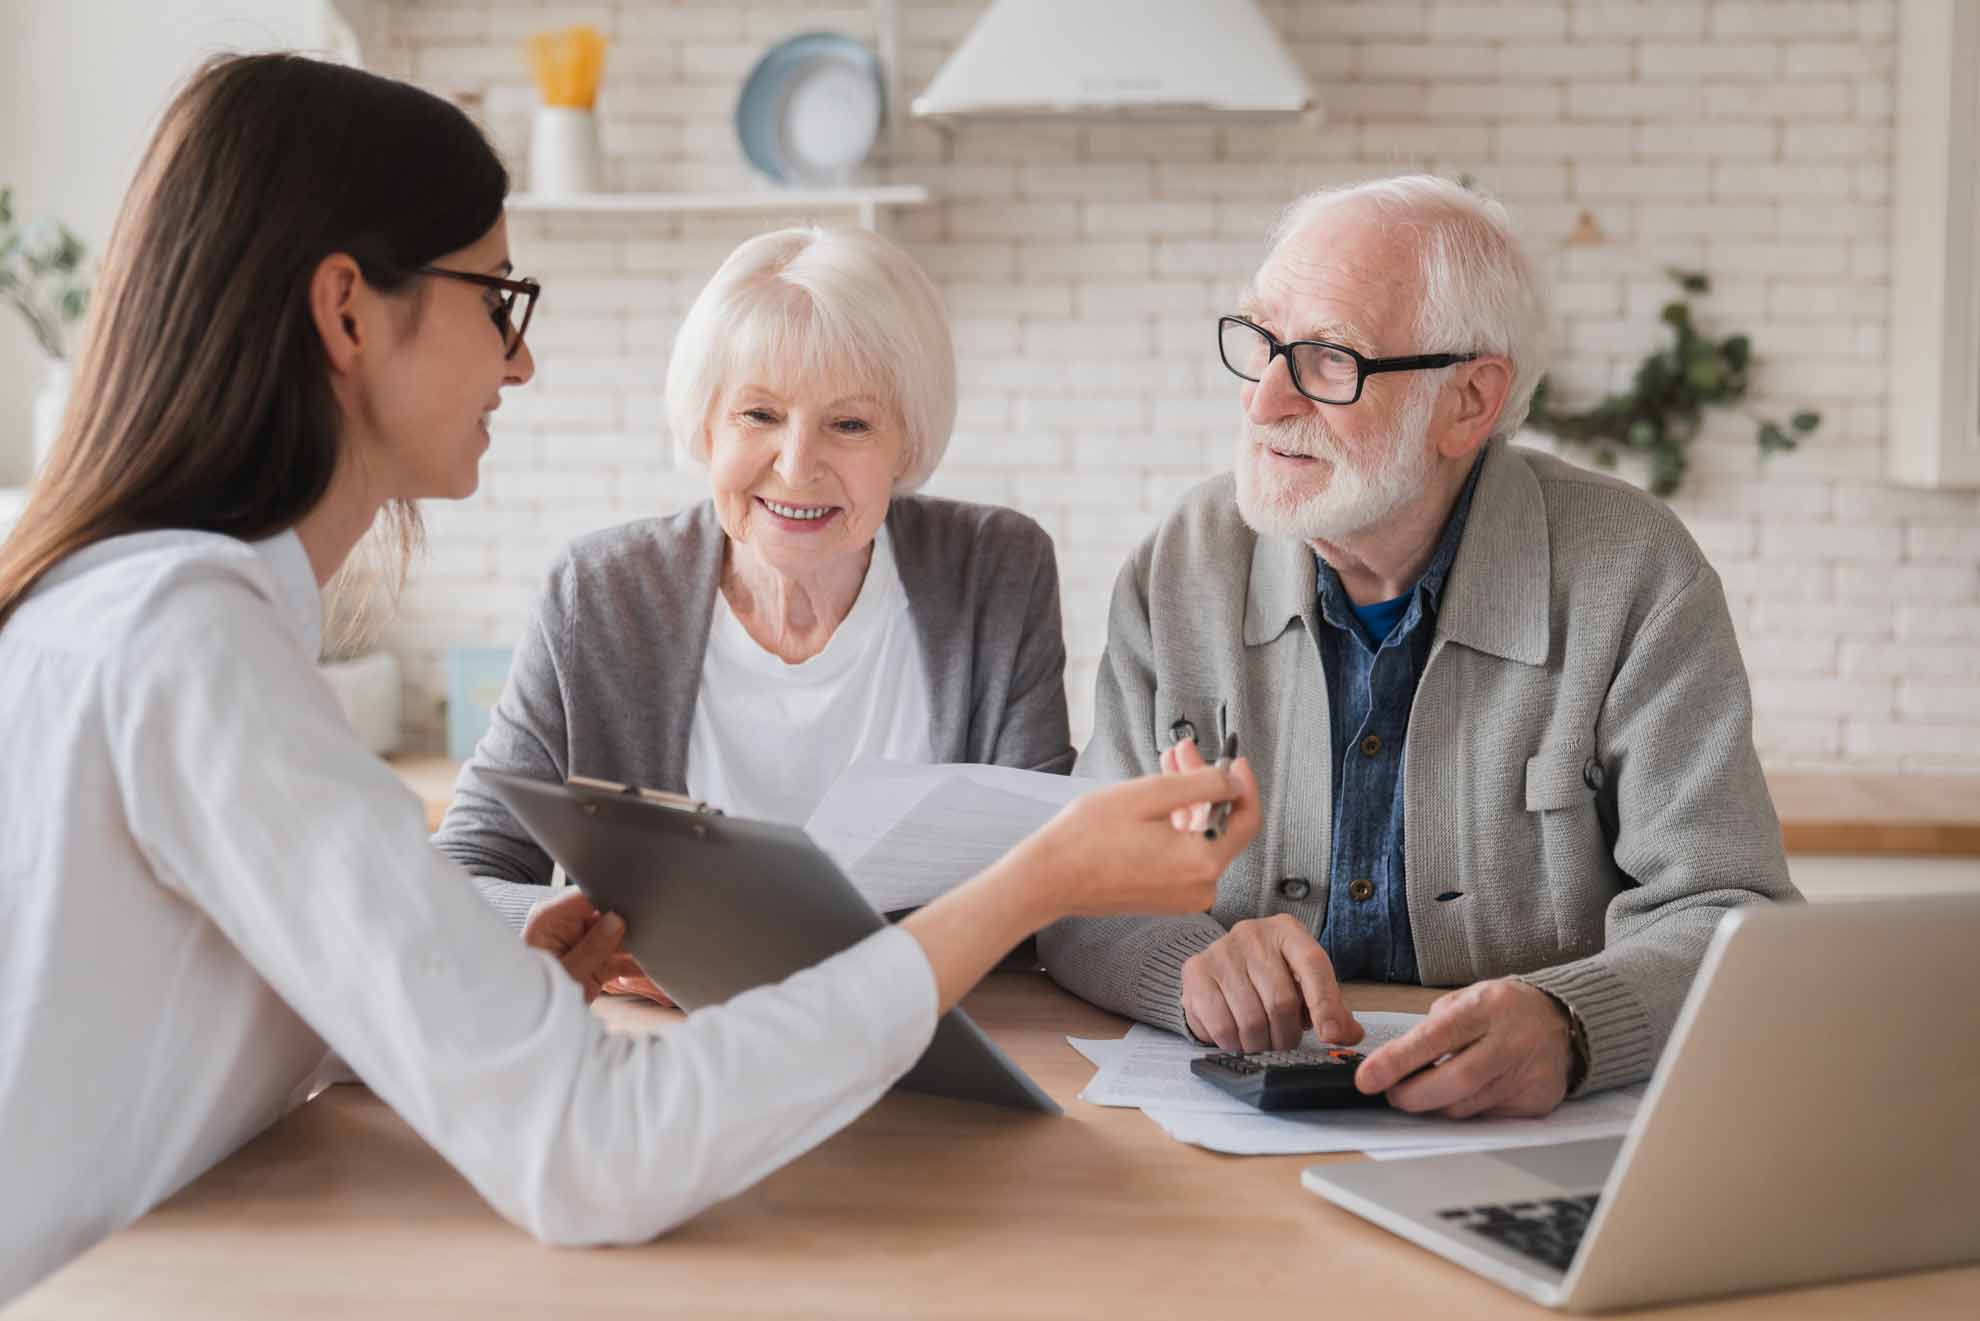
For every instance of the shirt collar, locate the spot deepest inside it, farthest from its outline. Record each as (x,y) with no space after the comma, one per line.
(296,592)
(1494,595)
(1338,609)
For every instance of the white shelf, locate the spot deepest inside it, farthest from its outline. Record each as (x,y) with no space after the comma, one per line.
(866,201)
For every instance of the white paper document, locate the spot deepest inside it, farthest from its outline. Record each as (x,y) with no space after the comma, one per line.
(1149,1069)
(906,834)
(1379,1131)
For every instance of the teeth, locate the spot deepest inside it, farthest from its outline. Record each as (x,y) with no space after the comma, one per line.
(792,511)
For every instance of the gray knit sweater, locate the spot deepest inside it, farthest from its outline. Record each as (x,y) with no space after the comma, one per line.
(605,677)
(1582,799)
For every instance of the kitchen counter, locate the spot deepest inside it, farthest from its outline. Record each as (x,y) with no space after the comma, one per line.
(1910,815)
(432,778)
(1863,814)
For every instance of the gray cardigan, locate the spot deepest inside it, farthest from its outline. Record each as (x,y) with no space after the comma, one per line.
(1582,799)
(605,678)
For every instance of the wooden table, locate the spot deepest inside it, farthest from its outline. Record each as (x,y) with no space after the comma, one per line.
(1884,814)
(922,1208)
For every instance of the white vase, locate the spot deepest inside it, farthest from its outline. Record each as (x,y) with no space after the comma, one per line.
(564,156)
(367,687)
(49,404)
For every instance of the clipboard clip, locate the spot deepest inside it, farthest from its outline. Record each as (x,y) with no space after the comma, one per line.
(659,797)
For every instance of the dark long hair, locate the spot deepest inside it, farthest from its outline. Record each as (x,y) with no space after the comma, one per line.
(202,394)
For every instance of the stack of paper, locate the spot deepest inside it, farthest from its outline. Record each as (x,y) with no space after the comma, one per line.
(906,834)
(1148,1069)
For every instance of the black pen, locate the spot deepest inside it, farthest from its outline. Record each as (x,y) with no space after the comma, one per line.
(1220,814)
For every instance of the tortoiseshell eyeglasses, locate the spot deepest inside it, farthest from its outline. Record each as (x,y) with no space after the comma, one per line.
(503,313)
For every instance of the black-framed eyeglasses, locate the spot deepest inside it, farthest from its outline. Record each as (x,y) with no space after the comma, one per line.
(1324,372)
(503,313)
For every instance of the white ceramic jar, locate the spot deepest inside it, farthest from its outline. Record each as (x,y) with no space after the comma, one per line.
(564,156)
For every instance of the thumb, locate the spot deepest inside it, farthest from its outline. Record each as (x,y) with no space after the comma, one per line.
(589,956)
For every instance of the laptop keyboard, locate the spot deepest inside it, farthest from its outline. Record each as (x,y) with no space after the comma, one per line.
(1547,1229)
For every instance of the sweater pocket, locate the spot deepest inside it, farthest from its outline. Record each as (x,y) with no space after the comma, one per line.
(1561,786)
(1556,780)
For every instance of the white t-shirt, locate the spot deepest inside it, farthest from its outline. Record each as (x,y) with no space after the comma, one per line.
(208,883)
(769,737)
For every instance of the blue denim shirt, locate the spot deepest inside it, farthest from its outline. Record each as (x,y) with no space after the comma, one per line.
(1371,685)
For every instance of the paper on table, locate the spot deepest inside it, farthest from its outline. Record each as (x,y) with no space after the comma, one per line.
(1149,1068)
(1101,1051)
(906,834)
(1607,1114)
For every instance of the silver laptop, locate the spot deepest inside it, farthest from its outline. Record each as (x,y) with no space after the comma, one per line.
(715,905)
(1815,1116)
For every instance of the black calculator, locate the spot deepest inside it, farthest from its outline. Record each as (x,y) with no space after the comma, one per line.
(1301,1079)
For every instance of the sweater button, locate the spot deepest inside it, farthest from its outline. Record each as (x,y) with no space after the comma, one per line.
(1295,888)
(1361,889)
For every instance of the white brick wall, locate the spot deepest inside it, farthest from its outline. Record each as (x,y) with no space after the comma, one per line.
(1083,261)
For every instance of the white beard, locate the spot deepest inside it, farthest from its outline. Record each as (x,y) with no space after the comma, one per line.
(1354,499)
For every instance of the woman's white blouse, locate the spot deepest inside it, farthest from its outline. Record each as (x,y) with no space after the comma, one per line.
(207,885)
(769,738)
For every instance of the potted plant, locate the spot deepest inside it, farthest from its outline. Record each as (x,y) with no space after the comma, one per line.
(42,276)
(1651,425)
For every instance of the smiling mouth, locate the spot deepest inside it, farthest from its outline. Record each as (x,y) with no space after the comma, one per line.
(798,513)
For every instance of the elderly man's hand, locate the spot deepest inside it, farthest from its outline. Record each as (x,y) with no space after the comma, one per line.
(1260,985)
(1509,1049)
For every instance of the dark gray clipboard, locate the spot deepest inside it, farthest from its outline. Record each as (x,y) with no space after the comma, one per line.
(716,905)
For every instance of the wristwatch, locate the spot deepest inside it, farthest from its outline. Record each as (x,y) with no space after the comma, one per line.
(1577,1046)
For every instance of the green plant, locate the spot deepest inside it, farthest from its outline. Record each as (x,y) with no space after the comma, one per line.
(1659,414)
(41,274)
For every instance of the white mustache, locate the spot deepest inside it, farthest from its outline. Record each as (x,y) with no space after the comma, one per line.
(1306,438)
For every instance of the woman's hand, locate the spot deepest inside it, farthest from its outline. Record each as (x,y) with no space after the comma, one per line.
(570,927)
(1177,758)
(624,976)
(1138,847)
(584,940)
(1112,850)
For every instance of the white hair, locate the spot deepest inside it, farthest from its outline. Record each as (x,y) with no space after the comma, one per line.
(813,303)
(1480,294)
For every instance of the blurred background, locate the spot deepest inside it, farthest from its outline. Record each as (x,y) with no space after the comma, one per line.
(1084,257)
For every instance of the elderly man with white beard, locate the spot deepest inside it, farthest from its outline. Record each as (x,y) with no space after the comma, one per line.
(1494,701)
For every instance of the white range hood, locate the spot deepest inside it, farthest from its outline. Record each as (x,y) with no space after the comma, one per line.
(1139,58)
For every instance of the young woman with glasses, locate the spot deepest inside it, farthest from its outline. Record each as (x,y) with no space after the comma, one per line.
(208,886)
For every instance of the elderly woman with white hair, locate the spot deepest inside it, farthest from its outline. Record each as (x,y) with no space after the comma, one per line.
(814,610)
